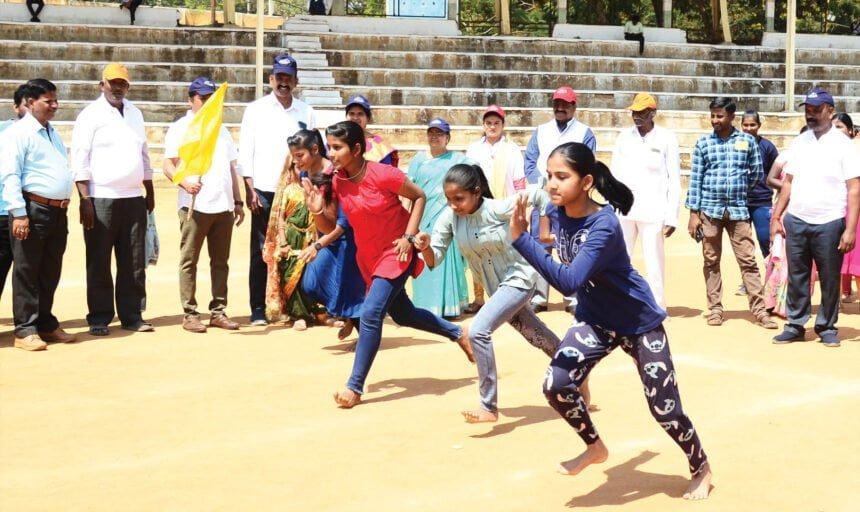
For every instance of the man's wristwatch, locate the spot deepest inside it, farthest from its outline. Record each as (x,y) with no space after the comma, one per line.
(238,203)
(409,238)
(318,246)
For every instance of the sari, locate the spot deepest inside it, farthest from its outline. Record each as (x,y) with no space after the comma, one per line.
(377,150)
(285,298)
(443,290)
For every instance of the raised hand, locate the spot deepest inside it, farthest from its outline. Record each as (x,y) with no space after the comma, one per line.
(519,219)
(313,196)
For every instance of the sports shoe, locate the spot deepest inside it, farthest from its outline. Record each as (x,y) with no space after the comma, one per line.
(741,291)
(139,326)
(788,335)
(830,340)
(32,343)
(192,323)
(258,318)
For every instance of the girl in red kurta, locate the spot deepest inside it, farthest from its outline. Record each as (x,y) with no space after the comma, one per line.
(369,193)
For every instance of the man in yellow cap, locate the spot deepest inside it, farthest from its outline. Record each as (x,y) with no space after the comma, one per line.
(646,158)
(110,161)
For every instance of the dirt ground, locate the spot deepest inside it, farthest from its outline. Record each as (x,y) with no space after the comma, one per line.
(173,421)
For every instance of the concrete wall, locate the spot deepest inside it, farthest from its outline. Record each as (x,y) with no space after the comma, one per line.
(392,26)
(616,32)
(78,14)
(777,40)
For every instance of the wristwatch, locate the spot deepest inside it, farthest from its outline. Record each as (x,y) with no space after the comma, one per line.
(409,238)
(318,246)
(238,203)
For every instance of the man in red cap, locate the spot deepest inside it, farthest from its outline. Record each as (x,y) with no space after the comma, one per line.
(548,136)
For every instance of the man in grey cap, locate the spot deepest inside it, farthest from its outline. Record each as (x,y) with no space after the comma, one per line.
(821,180)
(215,200)
(266,125)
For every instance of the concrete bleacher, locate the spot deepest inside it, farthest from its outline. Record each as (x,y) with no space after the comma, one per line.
(616,33)
(409,80)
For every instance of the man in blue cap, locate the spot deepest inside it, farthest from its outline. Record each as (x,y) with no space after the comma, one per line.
(822,182)
(216,206)
(267,124)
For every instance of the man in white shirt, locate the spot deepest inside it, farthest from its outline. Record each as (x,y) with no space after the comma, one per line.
(214,199)
(266,125)
(646,158)
(821,184)
(548,136)
(110,161)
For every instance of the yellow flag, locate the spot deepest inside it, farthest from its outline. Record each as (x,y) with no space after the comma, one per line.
(198,144)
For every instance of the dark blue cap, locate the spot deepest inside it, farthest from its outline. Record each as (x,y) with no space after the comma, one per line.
(816,97)
(438,122)
(201,85)
(285,64)
(359,100)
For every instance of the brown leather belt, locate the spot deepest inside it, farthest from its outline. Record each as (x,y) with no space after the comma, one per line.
(58,203)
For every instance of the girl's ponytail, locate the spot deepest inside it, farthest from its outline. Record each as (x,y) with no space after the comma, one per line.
(578,156)
(617,193)
(469,177)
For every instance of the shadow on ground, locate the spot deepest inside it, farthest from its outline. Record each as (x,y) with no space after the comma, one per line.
(626,484)
(527,415)
(408,388)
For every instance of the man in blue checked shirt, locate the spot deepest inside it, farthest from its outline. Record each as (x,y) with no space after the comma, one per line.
(726,165)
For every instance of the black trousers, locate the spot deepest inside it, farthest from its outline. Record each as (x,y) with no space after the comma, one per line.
(258,270)
(5,250)
(39,261)
(636,37)
(120,228)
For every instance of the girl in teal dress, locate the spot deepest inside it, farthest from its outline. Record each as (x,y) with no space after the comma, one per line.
(443,290)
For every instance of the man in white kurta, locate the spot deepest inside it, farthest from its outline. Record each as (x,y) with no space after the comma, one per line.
(646,159)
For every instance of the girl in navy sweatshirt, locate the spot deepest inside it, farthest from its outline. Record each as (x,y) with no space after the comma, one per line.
(615,307)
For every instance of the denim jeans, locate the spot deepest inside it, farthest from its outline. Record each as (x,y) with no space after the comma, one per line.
(258,270)
(507,304)
(387,296)
(760,216)
(806,243)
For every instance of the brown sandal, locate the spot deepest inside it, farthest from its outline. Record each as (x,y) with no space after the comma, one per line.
(715,318)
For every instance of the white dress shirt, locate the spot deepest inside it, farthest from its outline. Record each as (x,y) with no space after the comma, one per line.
(485,154)
(109,150)
(216,192)
(819,168)
(266,126)
(650,166)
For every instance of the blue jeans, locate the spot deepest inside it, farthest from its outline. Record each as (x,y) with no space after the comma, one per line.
(258,270)
(760,216)
(507,304)
(805,243)
(387,296)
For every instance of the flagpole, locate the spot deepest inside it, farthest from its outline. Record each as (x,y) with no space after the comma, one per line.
(194,198)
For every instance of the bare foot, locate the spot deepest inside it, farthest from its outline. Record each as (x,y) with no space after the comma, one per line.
(593,408)
(465,344)
(345,330)
(347,399)
(700,485)
(480,416)
(595,453)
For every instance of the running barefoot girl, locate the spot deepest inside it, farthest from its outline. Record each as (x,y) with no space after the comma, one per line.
(616,308)
(479,223)
(370,195)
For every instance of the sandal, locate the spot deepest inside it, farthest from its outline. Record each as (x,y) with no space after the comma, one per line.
(766,322)
(473,308)
(715,318)
(99,330)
